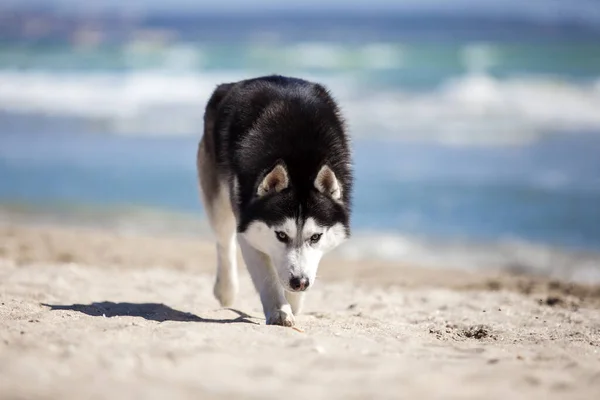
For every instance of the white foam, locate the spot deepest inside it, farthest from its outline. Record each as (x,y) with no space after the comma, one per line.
(478,109)
(473,109)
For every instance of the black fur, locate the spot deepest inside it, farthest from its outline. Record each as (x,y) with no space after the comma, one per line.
(260,122)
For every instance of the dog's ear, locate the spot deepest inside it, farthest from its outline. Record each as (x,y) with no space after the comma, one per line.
(326,182)
(274,181)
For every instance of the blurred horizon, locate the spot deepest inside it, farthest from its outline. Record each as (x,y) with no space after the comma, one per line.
(44,20)
(539,9)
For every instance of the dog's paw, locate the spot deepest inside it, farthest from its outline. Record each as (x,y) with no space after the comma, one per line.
(281,318)
(225,290)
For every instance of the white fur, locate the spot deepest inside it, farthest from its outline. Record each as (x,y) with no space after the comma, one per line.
(223,223)
(272,263)
(276,308)
(300,257)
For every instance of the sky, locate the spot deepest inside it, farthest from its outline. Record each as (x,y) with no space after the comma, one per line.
(586,10)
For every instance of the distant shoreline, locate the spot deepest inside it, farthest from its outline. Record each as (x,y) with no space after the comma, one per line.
(511,257)
(133,219)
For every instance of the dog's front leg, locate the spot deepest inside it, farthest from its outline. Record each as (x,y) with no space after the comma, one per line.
(296,301)
(275,305)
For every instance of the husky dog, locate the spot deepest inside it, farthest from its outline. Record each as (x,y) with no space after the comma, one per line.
(275,173)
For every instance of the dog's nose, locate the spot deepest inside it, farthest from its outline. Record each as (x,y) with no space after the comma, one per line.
(299,283)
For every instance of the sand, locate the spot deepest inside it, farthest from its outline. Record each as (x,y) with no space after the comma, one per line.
(88,314)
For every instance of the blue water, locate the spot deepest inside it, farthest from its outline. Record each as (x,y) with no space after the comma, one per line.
(536,193)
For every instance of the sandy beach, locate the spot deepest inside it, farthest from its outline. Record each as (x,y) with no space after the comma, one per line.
(96,315)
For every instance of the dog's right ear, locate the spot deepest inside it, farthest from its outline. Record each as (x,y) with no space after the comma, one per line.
(274,181)
(327,183)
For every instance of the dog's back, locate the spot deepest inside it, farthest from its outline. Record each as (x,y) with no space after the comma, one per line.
(250,125)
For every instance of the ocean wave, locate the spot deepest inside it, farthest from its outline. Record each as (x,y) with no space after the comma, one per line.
(474,109)
(478,109)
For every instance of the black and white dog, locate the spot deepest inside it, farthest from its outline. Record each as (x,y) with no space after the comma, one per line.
(275,174)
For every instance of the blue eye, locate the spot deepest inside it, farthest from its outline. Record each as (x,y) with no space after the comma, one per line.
(315,238)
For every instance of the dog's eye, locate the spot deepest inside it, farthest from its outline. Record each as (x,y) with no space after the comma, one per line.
(281,236)
(315,238)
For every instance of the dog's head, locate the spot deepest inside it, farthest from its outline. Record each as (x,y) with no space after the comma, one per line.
(294,226)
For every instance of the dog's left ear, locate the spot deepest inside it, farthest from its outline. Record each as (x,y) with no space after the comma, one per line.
(326,182)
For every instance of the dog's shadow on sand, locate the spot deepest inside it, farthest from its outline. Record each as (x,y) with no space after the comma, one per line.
(149,311)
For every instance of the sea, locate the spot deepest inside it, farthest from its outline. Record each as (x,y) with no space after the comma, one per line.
(477,145)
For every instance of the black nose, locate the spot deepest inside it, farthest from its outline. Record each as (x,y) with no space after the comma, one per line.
(299,283)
